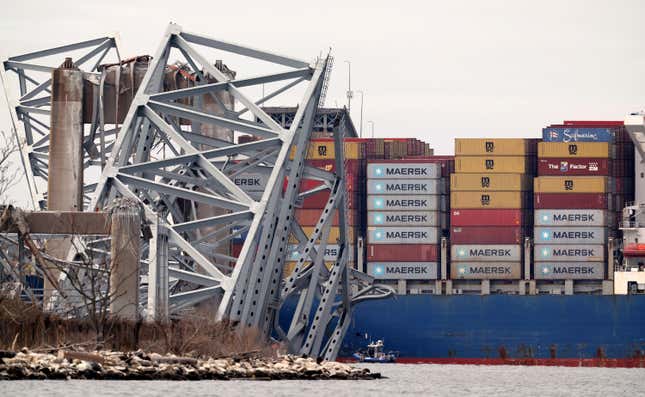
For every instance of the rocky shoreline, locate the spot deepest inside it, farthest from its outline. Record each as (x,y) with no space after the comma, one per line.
(139,365)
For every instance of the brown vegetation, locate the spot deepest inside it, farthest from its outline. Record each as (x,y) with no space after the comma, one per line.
(26,325)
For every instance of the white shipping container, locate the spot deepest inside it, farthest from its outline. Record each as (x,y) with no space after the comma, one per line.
(402,235)
(575,217)
(403,202)
(570,235)
(405,186)
(570,252)
(569,270)
(486,252)
(403,218)
(403,270)
(403,170)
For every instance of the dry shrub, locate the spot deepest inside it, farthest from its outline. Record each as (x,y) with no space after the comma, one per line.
(25,325)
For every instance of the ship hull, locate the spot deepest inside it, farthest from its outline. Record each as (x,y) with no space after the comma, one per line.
(578,330)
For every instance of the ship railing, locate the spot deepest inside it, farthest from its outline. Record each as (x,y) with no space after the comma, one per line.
(631,225)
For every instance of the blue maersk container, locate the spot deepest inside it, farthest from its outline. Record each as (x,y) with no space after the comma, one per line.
(566,134)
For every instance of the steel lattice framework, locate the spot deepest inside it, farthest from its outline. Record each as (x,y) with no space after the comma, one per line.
(182,262)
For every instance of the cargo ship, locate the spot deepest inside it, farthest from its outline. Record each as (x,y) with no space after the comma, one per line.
(512,251)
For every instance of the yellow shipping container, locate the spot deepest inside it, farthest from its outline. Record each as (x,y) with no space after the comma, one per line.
(575,149)
(494,164)
(494,182)
(572,184)
(326,150)
(493,200)
(488,147)
(334,234)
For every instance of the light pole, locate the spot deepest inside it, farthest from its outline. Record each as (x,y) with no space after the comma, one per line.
(350,94)
(372,124)
(360,133)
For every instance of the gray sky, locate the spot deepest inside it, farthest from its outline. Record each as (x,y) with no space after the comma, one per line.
(434,70)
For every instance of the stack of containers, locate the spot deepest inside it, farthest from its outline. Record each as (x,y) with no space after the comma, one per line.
(403,203)
(321,154)
(490,200)
(573,203)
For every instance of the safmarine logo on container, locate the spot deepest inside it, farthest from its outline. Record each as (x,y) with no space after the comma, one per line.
(564,166)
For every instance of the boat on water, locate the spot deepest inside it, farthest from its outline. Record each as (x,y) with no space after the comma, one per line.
(375,354)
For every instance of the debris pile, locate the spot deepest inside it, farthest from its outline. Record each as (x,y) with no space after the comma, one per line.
(139,365)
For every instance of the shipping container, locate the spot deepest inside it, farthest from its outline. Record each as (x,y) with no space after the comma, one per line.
(486,252)
(402,252)
(492,164)
(403,235)
(571,134)
(486,182)
(569,270)
(492,147)
(578,149)
(494,200)
(570,235)
(487,235)
(487,217)
(403,169)
(403,218)
(334,234)
(324,149)
(403,270)
(572,184)
(486,271)
(572,201)
(289,266)
(310,217)
(404,203)
(330,254)
(572,217)
(574,166)
(404,185)
(569,253)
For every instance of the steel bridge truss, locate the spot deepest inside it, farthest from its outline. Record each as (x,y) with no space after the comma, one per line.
(181,262)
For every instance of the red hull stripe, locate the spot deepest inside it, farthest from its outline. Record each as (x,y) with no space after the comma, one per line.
(551,362)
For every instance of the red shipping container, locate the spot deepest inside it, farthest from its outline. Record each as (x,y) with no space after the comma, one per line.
(571,201)
(487,235)
(402,252)
(573,166)
(476,217)
(327,165)
(310,217)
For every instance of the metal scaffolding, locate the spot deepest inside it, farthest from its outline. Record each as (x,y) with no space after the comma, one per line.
(160,158)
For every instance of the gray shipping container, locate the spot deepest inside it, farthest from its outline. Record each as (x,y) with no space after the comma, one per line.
(486,252)
(406,186)
(403,202)
(576,217)
(570,235)
(402,235)
(486,270)
(403,170)
(403,218)
(570,252)
(403,270)
(569,270)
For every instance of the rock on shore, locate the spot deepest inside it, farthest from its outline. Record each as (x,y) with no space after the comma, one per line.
(139,365)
